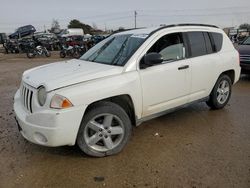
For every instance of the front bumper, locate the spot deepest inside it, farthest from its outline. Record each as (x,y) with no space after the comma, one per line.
(48,127)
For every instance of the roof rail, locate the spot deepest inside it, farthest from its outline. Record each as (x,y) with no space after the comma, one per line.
(191,24)
(163,26)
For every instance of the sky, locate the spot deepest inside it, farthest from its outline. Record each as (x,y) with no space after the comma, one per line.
(112,14)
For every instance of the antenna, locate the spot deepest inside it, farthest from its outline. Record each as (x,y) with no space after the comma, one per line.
(135,13)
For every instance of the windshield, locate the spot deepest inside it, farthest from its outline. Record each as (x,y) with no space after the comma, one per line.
(247,41)
(115,50)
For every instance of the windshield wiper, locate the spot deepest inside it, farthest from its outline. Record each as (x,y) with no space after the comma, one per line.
(97,53)
(119,53)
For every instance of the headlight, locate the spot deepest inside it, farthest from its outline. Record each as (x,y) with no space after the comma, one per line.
(60,102)
(41,95)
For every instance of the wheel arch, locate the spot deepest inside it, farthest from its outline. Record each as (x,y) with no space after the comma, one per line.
(124,101)
(230,74)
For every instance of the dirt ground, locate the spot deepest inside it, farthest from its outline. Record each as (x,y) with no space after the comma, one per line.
(193,147)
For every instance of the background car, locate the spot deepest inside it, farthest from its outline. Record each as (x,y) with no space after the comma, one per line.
(72,32)
(244,51)
(3,38)
(23,31)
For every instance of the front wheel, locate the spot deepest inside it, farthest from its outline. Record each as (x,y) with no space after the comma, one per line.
(104,131)
(221,93)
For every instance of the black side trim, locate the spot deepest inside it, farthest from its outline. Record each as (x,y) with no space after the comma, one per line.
(212,41)
(187,45)
(139,121)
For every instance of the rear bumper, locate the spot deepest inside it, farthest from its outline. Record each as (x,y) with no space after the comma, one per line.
(49,127)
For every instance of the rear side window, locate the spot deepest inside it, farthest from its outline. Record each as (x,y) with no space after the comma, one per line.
(217,40)
(197,44)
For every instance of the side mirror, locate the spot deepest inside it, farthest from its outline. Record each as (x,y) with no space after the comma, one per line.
(153,59)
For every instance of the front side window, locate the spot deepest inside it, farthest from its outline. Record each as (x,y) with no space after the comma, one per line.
(115,50)
(170,46)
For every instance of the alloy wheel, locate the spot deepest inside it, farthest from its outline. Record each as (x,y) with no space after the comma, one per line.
(104,132)
(223,92)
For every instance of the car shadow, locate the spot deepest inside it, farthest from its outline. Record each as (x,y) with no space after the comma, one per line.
(63,151)
(245,77)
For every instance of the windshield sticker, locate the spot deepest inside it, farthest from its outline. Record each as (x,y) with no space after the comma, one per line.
(143,36)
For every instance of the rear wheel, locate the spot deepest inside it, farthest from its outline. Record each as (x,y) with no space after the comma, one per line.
(62,54)
(47,53)
(221,93)
(30,54)
(76,54)
(104,130)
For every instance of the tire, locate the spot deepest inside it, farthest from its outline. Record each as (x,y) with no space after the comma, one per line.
(106,138)
(62,54)
(47,53)
(30,55)
(76,55)
(220,96)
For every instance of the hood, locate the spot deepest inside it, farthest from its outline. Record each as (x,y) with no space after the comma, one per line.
(244,49)
(65,73)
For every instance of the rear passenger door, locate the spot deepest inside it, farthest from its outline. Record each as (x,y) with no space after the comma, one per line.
(203,64)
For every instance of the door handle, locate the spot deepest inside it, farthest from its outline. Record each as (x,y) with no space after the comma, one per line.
(183,67)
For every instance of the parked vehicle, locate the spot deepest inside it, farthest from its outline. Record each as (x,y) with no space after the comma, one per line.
(244,50)
(25,44)
(11,46)
(97,38)
(74,40)
(70,51)
(126,79)
(38,51)
(22,32)
(80,50)
(72,32)
(48,40)
(45,35)
(3,38)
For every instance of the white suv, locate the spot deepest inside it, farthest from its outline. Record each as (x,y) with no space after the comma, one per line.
(124,80)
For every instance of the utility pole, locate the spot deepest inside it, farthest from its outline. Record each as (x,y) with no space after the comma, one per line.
(135,13)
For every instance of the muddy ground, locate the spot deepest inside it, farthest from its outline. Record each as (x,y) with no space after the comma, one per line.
(193,147)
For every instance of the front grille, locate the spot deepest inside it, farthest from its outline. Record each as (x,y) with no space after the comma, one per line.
(245,58)
(26,97)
